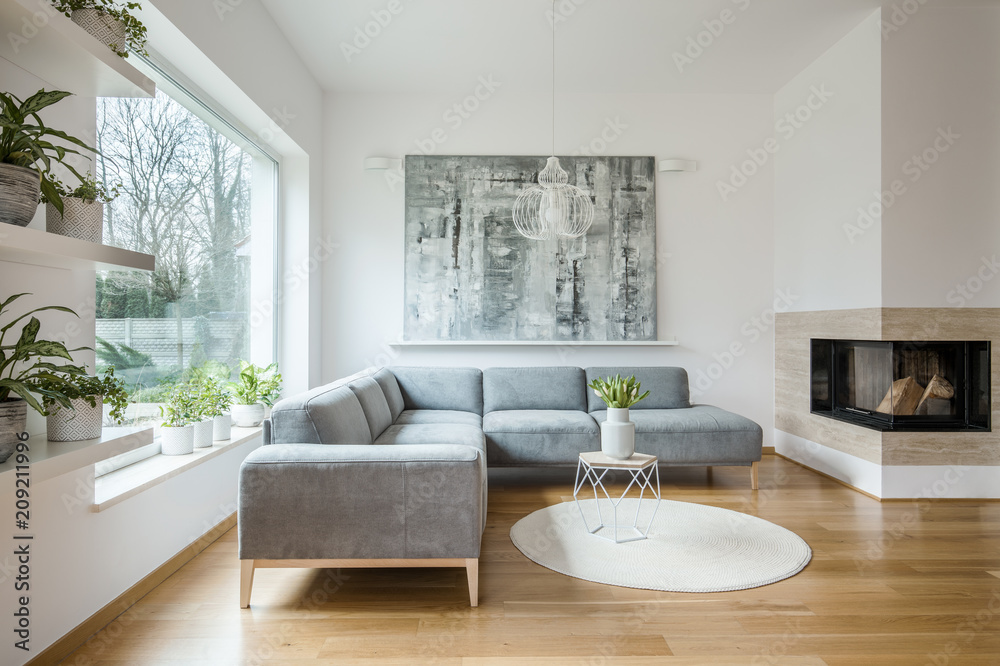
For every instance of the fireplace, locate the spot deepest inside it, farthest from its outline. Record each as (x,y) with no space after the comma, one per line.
(911,386)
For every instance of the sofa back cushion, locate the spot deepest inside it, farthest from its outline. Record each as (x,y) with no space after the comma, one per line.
(668,387)
(329,414)
(373,402)
(390,389)
(534,388)
(459,389)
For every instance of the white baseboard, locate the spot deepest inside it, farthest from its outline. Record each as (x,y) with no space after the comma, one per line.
(861,474)
(895,481)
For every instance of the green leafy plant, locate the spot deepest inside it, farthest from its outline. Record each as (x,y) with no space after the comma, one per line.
(181,408)
(109,388)
(24,139)
(213,397)
(27,370)
(135,31)
(88,191)
(618,393)
(120,356)
(256,384)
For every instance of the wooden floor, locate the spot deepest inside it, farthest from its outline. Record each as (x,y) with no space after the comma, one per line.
(890,583)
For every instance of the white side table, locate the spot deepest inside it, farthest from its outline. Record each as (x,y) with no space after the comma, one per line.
(592,467)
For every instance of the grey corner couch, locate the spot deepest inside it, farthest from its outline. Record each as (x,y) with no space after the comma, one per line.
(405,484)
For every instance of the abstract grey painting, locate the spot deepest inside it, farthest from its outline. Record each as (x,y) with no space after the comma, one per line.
(471,276)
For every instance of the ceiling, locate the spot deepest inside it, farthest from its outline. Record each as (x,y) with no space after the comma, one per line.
(602,45)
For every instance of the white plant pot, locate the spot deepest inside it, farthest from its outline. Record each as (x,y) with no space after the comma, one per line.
(77,424)
(13,421)
(618,435)
(80,219)
(177,441)
(203,432)
(105,28)
(248,416)
(222,427)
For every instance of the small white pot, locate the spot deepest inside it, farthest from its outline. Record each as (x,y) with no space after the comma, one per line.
(222,427)
(177,441)
(248,416)
(618,435)
(80,219)
(77,424)
(203,431)
(105,28)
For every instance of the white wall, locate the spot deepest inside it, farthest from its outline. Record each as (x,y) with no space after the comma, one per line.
(941,70)
(827,172)
(715,269)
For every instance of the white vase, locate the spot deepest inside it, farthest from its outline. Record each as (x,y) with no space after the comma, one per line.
(105,28)
(203,432)
(248,416)
(177,441)
(222,427)
(618,435)
(80,423)
(80,219)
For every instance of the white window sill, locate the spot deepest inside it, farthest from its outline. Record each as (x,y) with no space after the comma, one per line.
(115,487)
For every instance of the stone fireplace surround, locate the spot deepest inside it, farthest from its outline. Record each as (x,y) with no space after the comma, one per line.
(885,464)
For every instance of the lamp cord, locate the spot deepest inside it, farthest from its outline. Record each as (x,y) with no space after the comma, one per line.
(553,19)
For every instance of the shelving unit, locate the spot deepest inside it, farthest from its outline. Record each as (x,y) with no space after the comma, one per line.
(47,44)
(39,248)
(51,459)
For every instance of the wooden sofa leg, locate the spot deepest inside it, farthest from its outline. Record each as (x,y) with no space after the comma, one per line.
(472,571)
(246,582)
(754,485)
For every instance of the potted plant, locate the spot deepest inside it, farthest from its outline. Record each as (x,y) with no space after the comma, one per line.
(177,427)
(84,418)
(255,389)
(617,432)
(27,154)
(83,209)
(215,401)
(28,375)
(109,21)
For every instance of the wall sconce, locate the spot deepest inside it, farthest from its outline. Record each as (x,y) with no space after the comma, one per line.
(677,165)
(382,163)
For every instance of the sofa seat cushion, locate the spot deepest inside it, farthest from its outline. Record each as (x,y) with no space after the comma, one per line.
(698,435)
(422,416)
(539,436)
(433,434)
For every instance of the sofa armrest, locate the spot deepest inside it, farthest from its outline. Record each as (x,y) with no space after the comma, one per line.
(314,501)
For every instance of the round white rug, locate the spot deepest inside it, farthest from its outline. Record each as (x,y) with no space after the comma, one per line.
(691,547)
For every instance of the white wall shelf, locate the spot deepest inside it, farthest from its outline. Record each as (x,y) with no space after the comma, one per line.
(40,248)
(51,459)
(533,343)
(58,51)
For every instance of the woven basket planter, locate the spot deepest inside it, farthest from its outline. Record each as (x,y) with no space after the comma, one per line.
(13,421)
(80,219)
(77,424)
(105,29)
(19,187)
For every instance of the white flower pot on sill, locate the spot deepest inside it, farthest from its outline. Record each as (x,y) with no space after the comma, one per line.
(248,416)
(203,432)
(177,441)
(618,435)
(222,427)
(77,424)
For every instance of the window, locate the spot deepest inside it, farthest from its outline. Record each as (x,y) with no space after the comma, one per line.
(195,192)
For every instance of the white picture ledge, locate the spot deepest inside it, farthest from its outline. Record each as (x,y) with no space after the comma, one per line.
(534,343)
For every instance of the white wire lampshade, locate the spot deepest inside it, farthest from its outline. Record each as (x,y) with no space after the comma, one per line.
(553,208)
